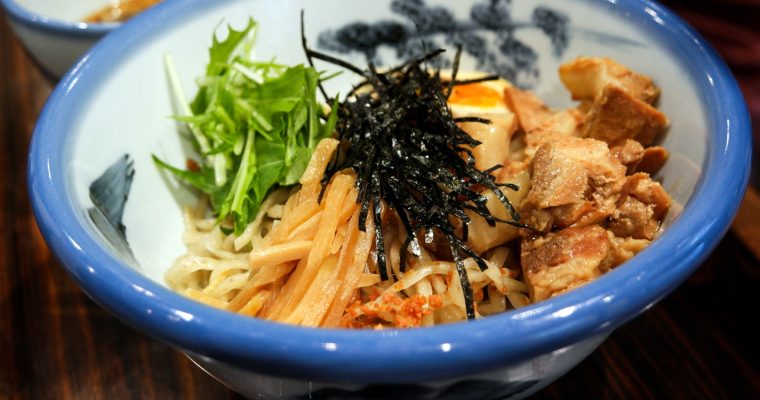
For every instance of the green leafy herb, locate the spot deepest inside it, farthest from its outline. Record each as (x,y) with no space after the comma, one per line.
(254,125)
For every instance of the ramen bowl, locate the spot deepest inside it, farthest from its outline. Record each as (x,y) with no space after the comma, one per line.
(117,102)
(54,32)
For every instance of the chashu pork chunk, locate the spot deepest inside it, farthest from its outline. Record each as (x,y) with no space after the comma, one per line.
(557,262)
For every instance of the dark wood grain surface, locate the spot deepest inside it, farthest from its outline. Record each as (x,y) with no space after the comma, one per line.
(700,342)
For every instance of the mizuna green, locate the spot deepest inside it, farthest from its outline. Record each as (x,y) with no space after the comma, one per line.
(253,124)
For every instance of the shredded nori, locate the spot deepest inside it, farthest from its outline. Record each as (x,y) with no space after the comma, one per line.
(398,135)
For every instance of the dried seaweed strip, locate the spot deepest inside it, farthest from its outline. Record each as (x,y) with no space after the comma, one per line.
(409,152)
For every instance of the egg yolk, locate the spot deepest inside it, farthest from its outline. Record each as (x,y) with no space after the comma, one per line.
(475,94)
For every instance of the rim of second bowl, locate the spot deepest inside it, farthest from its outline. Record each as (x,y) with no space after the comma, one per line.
(24,16)
(394,355)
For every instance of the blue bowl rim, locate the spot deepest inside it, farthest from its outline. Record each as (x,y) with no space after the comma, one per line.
(397,355)
(46,23)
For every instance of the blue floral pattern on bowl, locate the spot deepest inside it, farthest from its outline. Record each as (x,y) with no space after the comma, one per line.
(488,35)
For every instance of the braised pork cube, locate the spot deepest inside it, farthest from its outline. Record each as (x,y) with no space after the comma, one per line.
(636,158)
(530,110)
(629,153)
(642,206)
(586,78)
(623,249)
(616,115)
(562,123)
(539,123)
(558,262)
(574,181)
(652,160)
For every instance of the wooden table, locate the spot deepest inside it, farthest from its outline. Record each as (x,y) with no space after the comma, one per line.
(700,342)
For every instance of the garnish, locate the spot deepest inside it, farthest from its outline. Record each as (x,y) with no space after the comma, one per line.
(407,151)
(254,124)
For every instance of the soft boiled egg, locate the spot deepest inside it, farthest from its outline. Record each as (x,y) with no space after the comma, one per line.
(485,100)
(480,97)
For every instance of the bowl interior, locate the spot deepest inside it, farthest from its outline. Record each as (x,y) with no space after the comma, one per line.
(119,117)
(72,11)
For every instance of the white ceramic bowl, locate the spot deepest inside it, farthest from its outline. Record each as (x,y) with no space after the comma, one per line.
(53,31)
(117,102)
